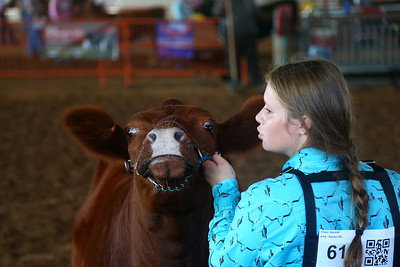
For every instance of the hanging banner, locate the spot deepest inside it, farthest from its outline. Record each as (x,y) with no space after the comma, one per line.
(81,40)
(175,39)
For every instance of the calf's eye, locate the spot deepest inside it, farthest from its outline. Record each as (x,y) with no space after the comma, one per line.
(208,125)
(131,131)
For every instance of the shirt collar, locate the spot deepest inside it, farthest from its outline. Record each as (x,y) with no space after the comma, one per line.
(312,160)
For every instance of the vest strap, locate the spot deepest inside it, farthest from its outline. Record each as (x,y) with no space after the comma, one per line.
(393,205)
(311,238)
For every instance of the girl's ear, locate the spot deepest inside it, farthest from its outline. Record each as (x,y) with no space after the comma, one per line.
(307,123)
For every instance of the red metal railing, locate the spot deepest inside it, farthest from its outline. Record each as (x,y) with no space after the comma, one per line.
(137,55)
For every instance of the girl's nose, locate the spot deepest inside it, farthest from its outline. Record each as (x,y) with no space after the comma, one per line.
(258,117)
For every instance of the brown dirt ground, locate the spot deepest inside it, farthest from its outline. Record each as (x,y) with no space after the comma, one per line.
(45,175)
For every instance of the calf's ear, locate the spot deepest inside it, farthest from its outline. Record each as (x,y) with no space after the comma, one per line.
(239,132)
(96,131)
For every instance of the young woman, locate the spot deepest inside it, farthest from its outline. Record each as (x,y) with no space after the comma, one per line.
(322,208)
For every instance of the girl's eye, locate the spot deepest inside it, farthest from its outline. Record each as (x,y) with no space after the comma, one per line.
(131,131)
(208,125)
(268,110)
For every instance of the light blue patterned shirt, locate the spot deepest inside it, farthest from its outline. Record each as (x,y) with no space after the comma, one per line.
(265,225)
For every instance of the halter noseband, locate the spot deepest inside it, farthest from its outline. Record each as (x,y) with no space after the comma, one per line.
(130,168)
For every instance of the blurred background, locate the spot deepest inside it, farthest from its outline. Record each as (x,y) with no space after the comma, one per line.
(128,56)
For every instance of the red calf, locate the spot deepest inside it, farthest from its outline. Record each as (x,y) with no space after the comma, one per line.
(155,210)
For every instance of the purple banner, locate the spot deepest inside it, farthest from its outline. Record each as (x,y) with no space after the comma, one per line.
(175,39)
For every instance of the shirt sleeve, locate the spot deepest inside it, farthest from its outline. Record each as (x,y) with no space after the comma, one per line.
(232,236)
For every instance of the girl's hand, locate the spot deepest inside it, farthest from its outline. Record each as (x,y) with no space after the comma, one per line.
(217,170)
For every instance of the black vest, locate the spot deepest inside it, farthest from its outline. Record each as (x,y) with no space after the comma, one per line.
(311,238)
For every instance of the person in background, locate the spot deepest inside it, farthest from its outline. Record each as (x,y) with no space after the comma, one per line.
(308,116)
(34,20)
(205,8)
(246,34)
(181,9)
(3,23)
(266,22)
(6,31)
(60,10)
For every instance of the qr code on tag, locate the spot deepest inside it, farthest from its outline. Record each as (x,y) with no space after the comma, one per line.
(377,252)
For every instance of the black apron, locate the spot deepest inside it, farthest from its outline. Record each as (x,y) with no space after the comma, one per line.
(311,238)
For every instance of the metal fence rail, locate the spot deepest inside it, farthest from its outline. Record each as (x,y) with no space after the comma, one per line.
(362,44)
(139,53)
(137,57)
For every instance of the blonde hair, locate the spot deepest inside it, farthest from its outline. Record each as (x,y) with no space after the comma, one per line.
(318,89)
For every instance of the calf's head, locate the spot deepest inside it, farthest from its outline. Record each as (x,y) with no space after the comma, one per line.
(165,145)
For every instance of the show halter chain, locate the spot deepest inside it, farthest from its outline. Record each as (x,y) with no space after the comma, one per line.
(131,168)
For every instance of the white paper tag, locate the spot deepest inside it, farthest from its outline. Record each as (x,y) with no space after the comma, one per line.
(378,247)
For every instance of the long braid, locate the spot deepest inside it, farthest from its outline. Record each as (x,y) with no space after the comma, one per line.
(360,198)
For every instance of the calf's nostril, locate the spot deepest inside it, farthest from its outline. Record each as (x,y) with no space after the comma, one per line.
(152,137)
(179,136)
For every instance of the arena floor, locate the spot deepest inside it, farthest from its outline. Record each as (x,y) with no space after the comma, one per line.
(45,175)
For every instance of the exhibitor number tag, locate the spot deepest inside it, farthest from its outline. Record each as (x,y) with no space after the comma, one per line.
(378,247)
